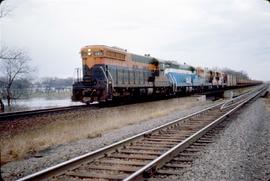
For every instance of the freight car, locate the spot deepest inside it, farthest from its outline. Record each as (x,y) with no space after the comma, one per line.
(111,73)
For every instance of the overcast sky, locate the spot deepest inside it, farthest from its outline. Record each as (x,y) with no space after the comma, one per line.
(209,33)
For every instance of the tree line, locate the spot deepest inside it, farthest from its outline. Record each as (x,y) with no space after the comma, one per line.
(25,86)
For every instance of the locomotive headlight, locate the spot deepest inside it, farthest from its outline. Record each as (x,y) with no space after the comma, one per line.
(89,51)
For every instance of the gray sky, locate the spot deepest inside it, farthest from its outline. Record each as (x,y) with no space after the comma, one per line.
(209,33)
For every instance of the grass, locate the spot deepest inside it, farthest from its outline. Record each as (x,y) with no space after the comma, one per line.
(89,124)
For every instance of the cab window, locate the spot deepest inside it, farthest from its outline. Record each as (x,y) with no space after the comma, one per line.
(97,53)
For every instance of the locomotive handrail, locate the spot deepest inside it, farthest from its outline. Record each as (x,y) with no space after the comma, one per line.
(171,78)
(173,81)
(107,80)
(111,77)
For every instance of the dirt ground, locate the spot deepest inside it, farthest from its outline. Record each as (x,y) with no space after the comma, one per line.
(27,136)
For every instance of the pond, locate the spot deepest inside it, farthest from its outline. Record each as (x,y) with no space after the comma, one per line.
(39,103)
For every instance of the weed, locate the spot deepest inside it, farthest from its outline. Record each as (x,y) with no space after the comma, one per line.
(89,124)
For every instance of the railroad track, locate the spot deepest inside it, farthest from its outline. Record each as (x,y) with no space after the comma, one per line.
(143,155)
(19,114)
(177,166)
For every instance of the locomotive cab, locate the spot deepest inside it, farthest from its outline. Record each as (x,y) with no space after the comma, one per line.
(99,71)
(95,80)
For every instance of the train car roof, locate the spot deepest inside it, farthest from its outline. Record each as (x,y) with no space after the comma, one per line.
(175,64)
(116,49)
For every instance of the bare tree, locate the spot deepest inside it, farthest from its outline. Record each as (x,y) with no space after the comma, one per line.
(15,65)
(4,10)
(1,1)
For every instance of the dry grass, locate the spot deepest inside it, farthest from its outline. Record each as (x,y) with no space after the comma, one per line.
(85,124)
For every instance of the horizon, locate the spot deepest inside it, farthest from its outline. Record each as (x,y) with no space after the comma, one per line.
(222,34)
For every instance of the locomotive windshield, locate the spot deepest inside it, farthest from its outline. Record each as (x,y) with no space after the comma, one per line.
(97,53)
(90,52)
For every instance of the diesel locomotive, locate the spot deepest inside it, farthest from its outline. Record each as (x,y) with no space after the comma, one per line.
(109,73)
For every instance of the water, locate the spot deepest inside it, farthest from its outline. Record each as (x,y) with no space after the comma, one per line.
(39,103)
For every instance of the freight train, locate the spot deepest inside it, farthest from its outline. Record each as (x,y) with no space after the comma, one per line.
(110,73)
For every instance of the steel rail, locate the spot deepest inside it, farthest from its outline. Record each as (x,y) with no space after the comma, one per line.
(233,101)
(83,158)
(17,114)
(152,166)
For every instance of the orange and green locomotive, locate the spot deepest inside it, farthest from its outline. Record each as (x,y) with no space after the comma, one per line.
(110,73)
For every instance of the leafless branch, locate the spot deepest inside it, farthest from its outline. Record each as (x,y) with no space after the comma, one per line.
(14,65)
(4,10)
(1,1)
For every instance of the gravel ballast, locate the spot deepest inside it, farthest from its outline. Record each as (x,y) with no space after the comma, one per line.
(240,152)
(60,153)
